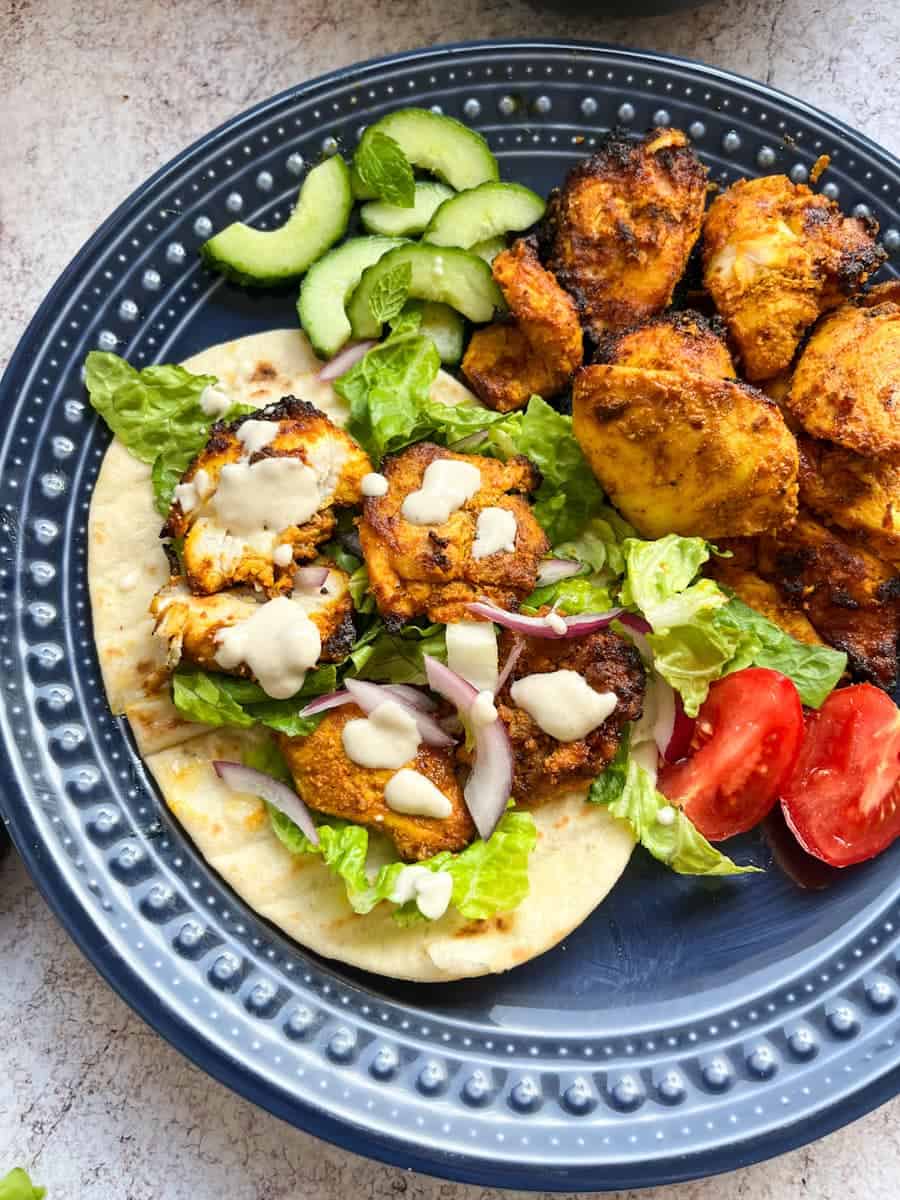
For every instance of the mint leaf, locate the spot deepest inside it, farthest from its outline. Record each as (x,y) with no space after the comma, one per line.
(384,169)
(391,292)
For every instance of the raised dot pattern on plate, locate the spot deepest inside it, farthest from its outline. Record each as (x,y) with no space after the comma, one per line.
(310,1031)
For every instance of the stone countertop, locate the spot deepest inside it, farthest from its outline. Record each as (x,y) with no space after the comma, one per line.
(95,96)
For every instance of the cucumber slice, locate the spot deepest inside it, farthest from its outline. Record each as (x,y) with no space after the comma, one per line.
(489,248)
(394,221)
(328,284)
(260,258)
(447,275)
(446,328)
(484,212)
(442,145)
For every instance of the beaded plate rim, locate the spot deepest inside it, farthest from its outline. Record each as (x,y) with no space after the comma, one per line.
(341,1046)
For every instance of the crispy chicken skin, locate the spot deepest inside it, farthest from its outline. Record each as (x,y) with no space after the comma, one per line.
(861,495)
(190,622)
(675,341)
(536,352)
(619,232)
(764,597)
(775,256)
(543,765)
(416,569)
(215,559)
(688,455)
(846,386)
(330,783)
(851,598)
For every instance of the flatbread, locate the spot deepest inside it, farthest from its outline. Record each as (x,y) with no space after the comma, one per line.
(581,850)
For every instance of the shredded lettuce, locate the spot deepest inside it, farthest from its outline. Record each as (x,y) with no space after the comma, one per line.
(17,1186)
(222,700)
(488,877)
(155,413)
(628,791)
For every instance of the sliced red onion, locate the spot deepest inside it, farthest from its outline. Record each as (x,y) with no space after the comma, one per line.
(511,659)
(552,570)
(246,779)
(540,627)
(411,695)
(323,703)
(489,785)
(370,695)
(636,629)
(636,622)
(308,579)
(682,733)
(344,360)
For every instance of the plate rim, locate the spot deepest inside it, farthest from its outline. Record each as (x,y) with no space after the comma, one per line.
(138,993)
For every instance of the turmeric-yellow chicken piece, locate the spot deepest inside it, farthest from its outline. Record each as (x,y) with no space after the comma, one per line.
(775,256)
(862,495)
(537,351)
(846,386)
(620,230)
(851,597)
(439,568)
(763,596)
(259,497)
(675,341)
(191,623)
(330,783)
(685,453)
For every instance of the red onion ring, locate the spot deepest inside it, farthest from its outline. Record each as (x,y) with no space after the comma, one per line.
(538,627)
(370,696)
(552,570)
(239,778)
(488,787)
(344,360)
(323,703)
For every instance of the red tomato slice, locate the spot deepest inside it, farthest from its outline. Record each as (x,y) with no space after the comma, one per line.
(843,799)
(744,746)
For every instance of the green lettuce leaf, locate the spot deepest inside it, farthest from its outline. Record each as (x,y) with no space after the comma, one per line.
(577,594)
(397,657)
(610,783)
(384,169)
(631,795)
(363,600)
(661,572)
(693,656)
(17,1186)
(199,696)
(224,700)
(814,669)
(600,543)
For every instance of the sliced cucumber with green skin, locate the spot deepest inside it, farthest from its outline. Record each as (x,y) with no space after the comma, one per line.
(441,145)
(440,273)
(489,248)
(259,257)
(329,283)
(446,328)
(394,221)
(484,212)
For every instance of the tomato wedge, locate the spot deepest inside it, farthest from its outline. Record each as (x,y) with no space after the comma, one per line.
(843,799)
(744,746)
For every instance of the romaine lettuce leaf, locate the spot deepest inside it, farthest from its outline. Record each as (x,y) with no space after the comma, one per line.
(629,793)
(577,594)
(600,544)
(397,657)
(223,700)
(17,1186)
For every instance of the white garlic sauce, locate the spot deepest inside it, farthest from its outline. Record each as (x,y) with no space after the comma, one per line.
(214,400)
(374,484)
(387,738)
(563,703)
(256,435)
(273,493)
(191,494)
(413,793)
(284,555)
(666,815)
(495,530)
(556,622)
(279,644)
(483,710)
(472,653)
(446,485)
(431,890)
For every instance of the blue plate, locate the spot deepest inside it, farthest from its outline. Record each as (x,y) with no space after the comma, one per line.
(688,1027)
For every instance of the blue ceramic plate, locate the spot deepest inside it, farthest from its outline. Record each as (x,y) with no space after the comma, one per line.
(687,1027)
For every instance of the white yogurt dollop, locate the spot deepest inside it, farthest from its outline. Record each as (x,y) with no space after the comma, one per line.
(563,703)
(495,530)
(446,485)
(411,792)
(431,890)
(387,738)
(374,484)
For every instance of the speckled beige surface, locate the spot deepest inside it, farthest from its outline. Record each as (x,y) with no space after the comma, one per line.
(93,96)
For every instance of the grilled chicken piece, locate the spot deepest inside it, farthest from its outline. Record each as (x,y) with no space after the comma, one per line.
(676,341)
(330,783)
(765,597)
(543,765)
(431,569)
(537,351)
(851,598)
(846,386)
(688,455)
(241,499)
(776,256)
(620,230)
(861,495)
(190,623)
